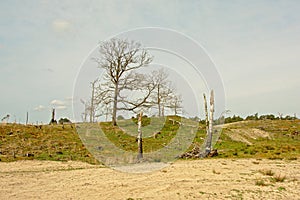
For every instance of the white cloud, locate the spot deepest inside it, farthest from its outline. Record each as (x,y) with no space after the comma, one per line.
(60,25)
(39,108)
(61,108)
(56,102)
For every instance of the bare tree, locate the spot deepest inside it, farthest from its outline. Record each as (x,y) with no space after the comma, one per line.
(92,107)
(209,123)
(206,114)
(164,95)
(86,110)
(117,58)
(280,115)
(159,78)
(175,103)
(103,100)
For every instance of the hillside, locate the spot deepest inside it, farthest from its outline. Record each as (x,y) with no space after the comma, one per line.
(272,139)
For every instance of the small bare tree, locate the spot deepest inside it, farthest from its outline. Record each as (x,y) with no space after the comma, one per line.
(175,103)
(92,104)
(159,78)
(280,115)
(117,58)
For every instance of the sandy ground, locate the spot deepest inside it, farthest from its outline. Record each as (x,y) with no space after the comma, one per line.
(198,179)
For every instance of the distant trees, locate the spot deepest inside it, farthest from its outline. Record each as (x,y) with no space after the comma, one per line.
(234,118)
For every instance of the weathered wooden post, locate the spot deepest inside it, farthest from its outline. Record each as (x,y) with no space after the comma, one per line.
(53,115)
(211,119)
(209,123)
(139,137)
(53,121)
(206,114)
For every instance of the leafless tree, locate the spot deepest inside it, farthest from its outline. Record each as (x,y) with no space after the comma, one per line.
(103,100)
(209,118)
(86,111)
(280,115)
(159,78)
(118,57)
(92,104)
(164,95)
(175,103)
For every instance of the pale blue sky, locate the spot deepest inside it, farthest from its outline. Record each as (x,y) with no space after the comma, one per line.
(255,46)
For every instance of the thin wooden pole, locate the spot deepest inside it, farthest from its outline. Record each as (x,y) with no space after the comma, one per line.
(26,118)
(139,137)
(211,119)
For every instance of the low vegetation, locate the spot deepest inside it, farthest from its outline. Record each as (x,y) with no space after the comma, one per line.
(271,139)
(43,142)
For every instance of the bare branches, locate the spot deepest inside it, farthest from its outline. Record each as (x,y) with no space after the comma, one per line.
(118,57)
(139,88)
(125,89)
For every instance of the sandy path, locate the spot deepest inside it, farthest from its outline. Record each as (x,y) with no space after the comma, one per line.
(199,179)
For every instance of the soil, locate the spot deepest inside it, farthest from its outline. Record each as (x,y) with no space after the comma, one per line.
(190,179)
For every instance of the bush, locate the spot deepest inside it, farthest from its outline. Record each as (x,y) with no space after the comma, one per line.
(64,120)
(120,117)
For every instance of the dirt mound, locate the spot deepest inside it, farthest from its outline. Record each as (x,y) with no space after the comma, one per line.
(246,134)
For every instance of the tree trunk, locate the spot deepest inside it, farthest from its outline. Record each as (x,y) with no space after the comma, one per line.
(158,101)
(206,114)
(92,114)
(114,116)
(139,137)
(209,123)
(211,118)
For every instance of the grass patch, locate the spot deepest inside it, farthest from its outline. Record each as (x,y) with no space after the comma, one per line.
(267,172)
(47,142)
(260,182)
(278,178)
(216,172)
(281,188)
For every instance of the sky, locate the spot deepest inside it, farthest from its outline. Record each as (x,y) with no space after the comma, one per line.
(254,45)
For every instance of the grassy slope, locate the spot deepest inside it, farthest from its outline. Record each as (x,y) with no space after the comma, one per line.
(284,142)
(62,143)
(47,142)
